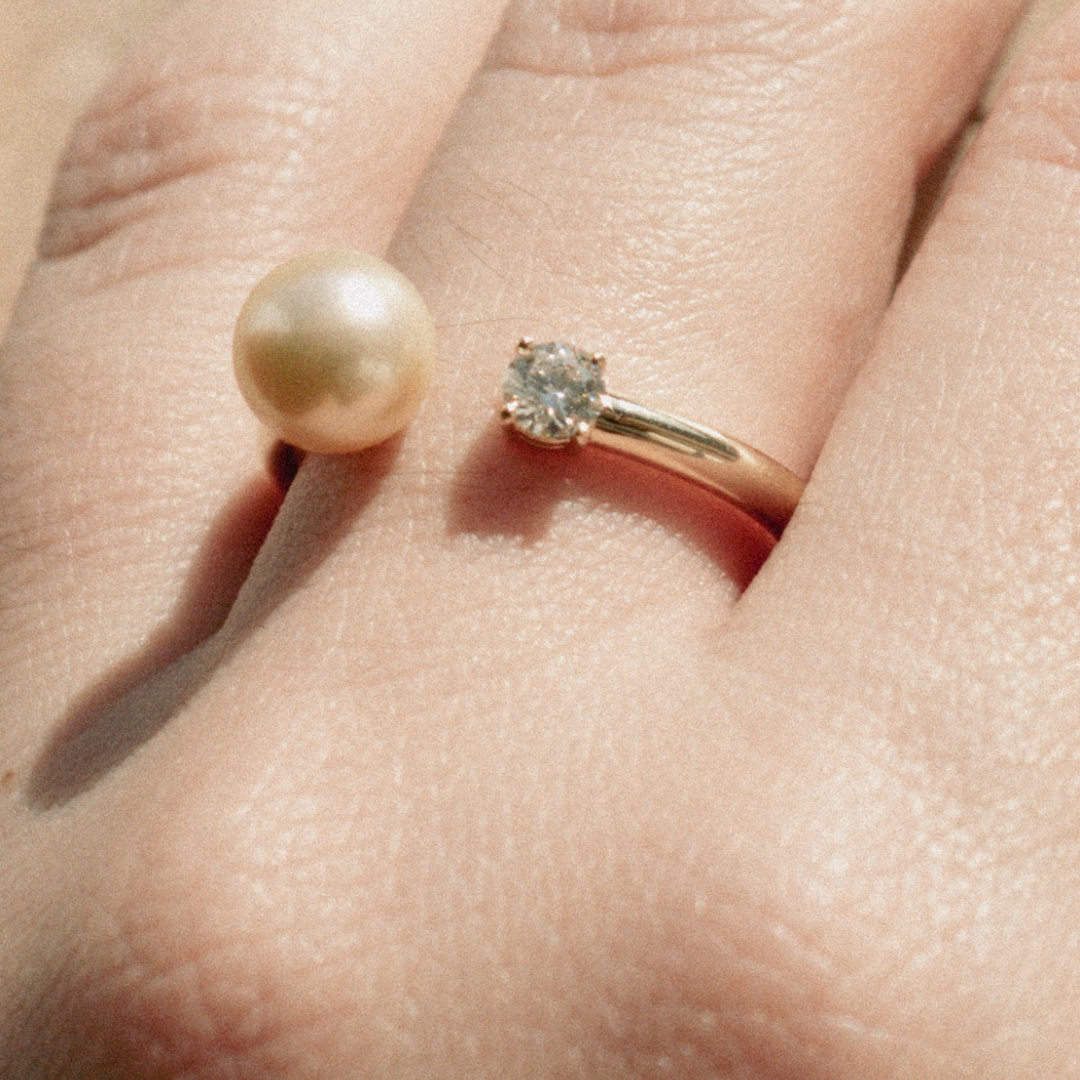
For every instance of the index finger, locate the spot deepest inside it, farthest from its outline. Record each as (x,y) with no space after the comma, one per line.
(246,131)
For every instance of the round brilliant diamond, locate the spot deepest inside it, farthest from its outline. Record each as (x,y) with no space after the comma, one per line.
(552,392)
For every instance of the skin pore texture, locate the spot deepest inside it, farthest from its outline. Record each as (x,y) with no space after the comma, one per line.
(468,761)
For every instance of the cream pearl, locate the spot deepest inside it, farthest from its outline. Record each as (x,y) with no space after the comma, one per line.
(334,351)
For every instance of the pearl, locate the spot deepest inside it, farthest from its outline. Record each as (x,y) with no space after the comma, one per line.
(334,351)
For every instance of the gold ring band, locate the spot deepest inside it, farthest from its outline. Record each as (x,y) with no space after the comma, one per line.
(554,395)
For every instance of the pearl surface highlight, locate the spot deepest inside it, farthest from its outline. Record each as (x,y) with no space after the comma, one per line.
(334,351)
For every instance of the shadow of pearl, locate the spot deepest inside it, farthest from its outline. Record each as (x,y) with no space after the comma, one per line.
(334,351)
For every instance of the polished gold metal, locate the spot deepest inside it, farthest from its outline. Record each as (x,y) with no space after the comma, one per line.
(754,482)
(758,485)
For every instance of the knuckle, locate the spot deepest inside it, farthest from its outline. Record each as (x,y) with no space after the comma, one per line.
(193,160)
(718,987)
(605,38)
(172,974)
(1037,116)
(189,963)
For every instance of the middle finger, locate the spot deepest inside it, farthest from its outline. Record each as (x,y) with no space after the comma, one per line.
(698,196)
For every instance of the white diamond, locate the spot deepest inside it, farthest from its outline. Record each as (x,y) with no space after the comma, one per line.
(552,392)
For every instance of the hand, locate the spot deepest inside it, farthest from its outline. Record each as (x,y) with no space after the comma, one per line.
(478,763)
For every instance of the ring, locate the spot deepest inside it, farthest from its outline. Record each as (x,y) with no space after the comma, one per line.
(554,396)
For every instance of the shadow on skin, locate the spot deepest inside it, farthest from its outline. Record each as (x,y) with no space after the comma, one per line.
(214,616)
(505,487)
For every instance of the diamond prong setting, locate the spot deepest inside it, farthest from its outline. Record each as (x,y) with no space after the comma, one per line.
(552,393)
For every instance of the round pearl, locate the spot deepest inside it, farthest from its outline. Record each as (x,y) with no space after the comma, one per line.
(334,351)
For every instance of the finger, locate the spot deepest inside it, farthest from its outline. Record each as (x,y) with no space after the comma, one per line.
(132,486)
(728,241)
(494,748)
(936,565)
(1036,17)
(54,57)
(952,459)
(771,224)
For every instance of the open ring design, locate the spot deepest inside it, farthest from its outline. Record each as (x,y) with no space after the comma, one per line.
(554,396)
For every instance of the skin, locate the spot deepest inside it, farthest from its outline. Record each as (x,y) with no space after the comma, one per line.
(55,54)
(483,763)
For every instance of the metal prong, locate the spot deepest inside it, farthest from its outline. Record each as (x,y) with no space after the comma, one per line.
(525,345)
(508,411)
(583,433)
(600,360)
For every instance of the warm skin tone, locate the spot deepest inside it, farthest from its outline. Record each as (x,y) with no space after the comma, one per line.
(53,55)
(488,771)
